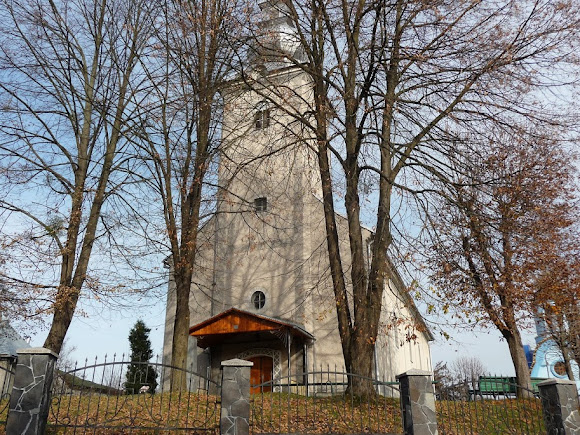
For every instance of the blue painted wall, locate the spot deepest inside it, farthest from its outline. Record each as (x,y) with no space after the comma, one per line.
(547,355)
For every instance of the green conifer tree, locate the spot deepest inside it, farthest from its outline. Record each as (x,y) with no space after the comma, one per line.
(140,373)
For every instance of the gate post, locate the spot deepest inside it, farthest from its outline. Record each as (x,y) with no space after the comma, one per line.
(235,414)
(418,402)
(30,398)
(560,406)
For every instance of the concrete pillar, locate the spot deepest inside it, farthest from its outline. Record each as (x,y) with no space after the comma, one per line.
(560,406)
(30,399)
(418,402)
(235,416)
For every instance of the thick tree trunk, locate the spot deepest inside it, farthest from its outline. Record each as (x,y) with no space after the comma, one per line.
(192,170)
(72,278)
(179,344)
(514,341)
(67,294)
(567,362)
(184,254)
(62,318)
(332,239)
(361,385)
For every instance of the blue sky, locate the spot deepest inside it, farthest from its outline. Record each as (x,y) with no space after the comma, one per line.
(97,335)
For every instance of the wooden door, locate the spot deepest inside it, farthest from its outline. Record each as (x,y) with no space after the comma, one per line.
(261,372)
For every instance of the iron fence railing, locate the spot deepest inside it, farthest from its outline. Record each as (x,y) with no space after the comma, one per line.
(511,409)
(6,381)
(320,402)
(118,396)
(125,396)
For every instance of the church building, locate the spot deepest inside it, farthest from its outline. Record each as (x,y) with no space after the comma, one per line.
(262,289)
(548,361)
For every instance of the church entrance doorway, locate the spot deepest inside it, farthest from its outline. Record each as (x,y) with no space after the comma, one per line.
(261,372)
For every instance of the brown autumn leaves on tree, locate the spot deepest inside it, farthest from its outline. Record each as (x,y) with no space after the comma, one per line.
(506,216)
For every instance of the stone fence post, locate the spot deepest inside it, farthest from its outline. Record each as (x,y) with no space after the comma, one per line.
(560,406)
(235,416)
(30,398)
(418,402)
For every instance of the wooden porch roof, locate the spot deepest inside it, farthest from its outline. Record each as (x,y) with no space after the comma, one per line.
(234,321)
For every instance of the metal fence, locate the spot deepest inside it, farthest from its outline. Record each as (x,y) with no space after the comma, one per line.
(319,402)
(6,380)
(120,396)
(463,409)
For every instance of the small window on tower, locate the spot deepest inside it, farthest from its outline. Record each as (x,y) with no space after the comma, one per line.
(258,300)
(261,204)
(262,116)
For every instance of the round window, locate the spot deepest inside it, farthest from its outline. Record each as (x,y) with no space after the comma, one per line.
(258,300)
(559,369)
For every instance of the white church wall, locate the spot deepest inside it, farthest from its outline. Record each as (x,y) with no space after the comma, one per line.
(281,251)
(402,343)
(264,249)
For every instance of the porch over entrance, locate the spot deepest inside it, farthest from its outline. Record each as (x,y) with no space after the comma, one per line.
(234,323)
(276,346)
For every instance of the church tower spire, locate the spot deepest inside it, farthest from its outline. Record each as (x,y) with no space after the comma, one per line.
(278,41)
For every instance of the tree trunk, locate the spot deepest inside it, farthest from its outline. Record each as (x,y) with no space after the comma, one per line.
(361,385)
(332,240)
(62,319)
(520,362)
(179,344)
(567,362)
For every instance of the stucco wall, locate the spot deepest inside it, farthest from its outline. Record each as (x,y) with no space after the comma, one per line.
(282,251)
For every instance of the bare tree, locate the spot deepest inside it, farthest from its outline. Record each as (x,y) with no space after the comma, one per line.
(468,370)
(457,380)
(393,82)
(65,361)
(179,136)
(67,75)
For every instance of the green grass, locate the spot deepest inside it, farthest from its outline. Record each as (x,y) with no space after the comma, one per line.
(3,411)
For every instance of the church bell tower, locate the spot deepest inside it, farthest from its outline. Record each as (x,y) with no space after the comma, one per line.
(267,177)
(262,289)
